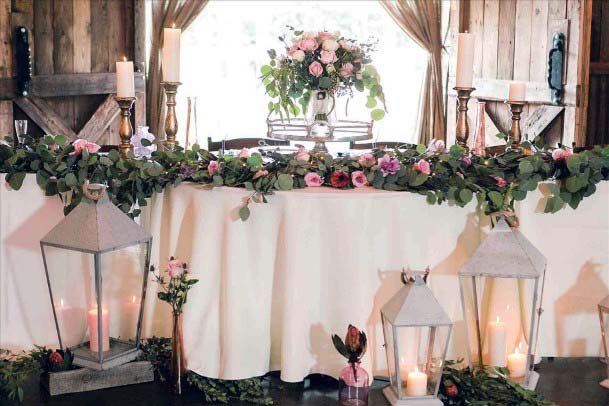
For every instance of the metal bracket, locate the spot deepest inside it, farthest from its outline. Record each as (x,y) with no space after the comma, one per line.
(24,62)
(555,67)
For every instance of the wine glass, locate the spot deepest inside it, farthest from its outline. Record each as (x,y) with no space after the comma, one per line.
(21,131)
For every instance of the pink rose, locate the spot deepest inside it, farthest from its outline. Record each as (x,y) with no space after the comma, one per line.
(297,55)
(329,45)
(175,267)
(80,145)
(436,146)
(466,160)
(244,153)
(560,154)
(459,174)
(500,181)
(327,57)
(366,160)
(312,179)
(324,35)
(423,167)
(213,167)
(55,358)
(346,70)
(260,173)
(308,44)
(359,179)
(316,69)
(293,49)
(302,154)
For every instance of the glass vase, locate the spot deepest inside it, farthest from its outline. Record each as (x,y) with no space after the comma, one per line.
(321,107)
(177,361)
(353,386)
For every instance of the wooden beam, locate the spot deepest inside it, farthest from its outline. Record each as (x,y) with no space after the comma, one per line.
(71,84)
(599,68)
(100,120)
(44,116)
(583,72)
(497,90)
(6,41)
(541,118)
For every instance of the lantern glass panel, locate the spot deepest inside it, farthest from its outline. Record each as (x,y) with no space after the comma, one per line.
(72,280)
(498,312)
(421,358)
(390,350)
(603,314)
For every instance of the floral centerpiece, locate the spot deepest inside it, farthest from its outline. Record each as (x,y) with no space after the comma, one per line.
(319,66)
(353,383)
(175,292)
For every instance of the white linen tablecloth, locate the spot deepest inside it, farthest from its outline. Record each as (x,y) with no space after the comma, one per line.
(273,289)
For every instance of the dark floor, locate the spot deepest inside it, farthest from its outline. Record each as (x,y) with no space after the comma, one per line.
(566,381)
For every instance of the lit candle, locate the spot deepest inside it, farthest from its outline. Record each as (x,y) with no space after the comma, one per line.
(416,383)
(517,363)
(124,79)
(92,320)
(171,54)
(496,343)
(465,59)
(517,92)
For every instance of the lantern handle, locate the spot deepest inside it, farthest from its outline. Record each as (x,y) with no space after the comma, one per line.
(409,277)
(93,196)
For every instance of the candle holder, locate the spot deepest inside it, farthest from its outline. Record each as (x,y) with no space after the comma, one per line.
(462,132)
(516,108)
(171,121)
(126,130)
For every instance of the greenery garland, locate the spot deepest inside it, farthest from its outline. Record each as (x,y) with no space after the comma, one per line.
(453,175)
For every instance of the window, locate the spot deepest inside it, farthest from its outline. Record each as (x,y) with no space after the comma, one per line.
(222,52)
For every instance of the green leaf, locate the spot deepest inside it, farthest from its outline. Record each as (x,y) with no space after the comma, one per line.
(431,198)
(255,161)
(265,69)
(525,167)
(421,149)
(71,180)
(146,142)
(371,103)
(244,213)
(285,181)
(377,114)
(15,180)
(519,194)
(218,180)
(572,184)
(466,195)
(325,82)
(61,140)
(496,198)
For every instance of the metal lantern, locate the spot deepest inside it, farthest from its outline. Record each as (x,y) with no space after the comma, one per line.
(504,256)
(96,227)
(417,331)
(603,314)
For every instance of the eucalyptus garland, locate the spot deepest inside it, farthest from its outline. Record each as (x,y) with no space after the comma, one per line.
(440,175)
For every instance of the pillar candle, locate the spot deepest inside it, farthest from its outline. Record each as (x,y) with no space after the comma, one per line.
(416,383)
(517,364)
(517,92)
(171,54)
(124,79)
(465,59)
(92,320)
(496,343)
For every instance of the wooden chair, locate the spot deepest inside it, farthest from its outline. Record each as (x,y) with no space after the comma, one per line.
(380,144)
(238,143)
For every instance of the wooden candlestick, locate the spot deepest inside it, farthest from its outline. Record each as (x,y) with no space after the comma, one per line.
(126,130)
(171,121)
(516,108)
(462,132)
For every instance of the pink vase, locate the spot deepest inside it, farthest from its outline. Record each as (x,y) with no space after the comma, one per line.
(353,386)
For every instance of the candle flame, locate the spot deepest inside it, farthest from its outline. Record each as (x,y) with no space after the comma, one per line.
(416,368)
(173,25)
(133,299)
(516,350)
(124,59)
(61,302)
(498,319)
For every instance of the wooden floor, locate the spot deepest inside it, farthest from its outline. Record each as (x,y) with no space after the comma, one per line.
(566,381)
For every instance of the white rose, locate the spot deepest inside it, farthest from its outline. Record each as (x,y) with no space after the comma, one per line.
(336,34)
(330,68)
(298,55)
(309,35)
(330,45)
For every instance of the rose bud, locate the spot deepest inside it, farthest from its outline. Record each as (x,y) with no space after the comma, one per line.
(452,390)
(352,340)
(55,358)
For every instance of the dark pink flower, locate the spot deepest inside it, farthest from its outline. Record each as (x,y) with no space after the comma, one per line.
(353,339)
(55,358)
(500,181)
(312,179)
(560,154)
(213,167)
(389,165)
(422,166)
(339,179)
(466,160)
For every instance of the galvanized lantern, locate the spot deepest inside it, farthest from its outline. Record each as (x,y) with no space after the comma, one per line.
(504,256)
(417,331)
(96,227)
(603,314)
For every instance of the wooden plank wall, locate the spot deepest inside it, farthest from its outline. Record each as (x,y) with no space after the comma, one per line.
(598,106)
(70,36)
(513,38)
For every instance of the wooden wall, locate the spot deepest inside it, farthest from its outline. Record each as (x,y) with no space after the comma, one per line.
(74,47)
(513,38)
(598,106)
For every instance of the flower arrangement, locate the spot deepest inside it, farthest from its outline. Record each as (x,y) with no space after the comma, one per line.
(320,61)
(175,290)
(354,346)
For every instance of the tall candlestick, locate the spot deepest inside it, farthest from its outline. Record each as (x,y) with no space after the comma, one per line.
(496,343)
(171,54)
(125,86)
(517,92)
(465,59)
(125,130)
(517,363)
(462,130)
(171,120)
(516,108)
(416,383)
(93,336)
